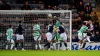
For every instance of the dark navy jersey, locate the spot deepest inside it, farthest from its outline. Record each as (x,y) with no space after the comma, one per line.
(62,30)
(19,30)
(50,29)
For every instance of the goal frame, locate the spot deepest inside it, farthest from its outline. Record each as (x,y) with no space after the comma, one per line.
(42,11)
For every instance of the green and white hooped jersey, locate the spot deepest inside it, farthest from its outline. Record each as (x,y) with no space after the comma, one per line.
(36,29)
(83,29)
(57,23)
(9,33)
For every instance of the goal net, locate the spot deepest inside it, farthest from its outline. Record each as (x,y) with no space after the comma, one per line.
(28,17)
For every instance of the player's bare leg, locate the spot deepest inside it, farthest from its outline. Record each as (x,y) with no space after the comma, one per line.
(12,44)
(84,44)
(22,44)
(59,45)
(80,43)
(54,44)
(7,44)
(48,44)
(37,44)
(16,44)
(65,43)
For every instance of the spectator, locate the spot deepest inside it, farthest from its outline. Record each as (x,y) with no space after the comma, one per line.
(73,7)
(77,2)
(0,2)
(49,7)
(35,8)
(60,8)
(5,6)
(67,7)
(82,15)
(42,7)
(88,9)
(51,3)
(55,8)
(92,35)
(87,17)
(79,22)
(80,7)
(96,26)
(97,36)
(26,6)
(19,1)
(75,39)
(34,2)
(94,15)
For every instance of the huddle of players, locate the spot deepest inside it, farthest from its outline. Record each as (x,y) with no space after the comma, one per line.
(55,35)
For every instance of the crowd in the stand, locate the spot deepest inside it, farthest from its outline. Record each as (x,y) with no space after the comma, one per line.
(46,4)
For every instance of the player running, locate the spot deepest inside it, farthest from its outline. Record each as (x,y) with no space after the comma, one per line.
(10,35)
(82,35)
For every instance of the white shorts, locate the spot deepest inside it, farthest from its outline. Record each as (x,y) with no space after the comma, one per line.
(37,38)
(81,35)
(63,36)
(10,40)
(19,37)
(49,36)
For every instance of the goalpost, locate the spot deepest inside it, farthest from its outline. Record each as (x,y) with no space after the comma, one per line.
(27,16)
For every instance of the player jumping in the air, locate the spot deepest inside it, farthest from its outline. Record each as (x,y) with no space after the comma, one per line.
(36,35)
(82,35)
(60,34)
(63,36)
(57,34)
(10,40)
(49,36)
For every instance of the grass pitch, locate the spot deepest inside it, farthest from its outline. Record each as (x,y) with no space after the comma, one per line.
(49,53)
